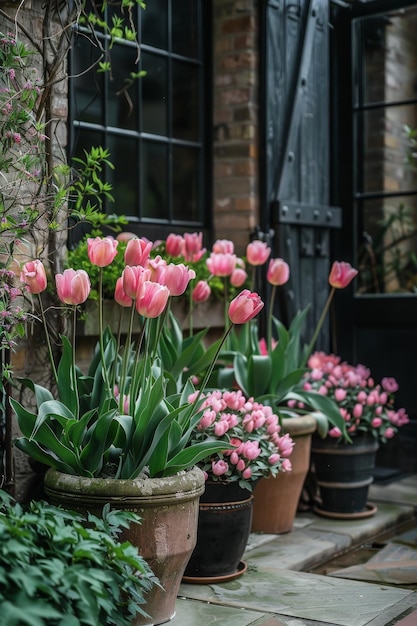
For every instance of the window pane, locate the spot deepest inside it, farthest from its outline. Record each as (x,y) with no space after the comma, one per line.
(154,180)
(185,177)
(184,32)
(154,95)
(155,24)
(88,85)
(387,259)
(185,106)
(123,100)
(382,159)
(124,178)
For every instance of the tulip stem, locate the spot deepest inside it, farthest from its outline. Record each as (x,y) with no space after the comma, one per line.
(48,339)
(319,325)
(100,330)
(270,314)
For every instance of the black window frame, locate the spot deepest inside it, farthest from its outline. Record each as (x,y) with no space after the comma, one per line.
(156,228)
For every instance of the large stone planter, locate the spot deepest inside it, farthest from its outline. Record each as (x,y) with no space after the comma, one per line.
(167,534)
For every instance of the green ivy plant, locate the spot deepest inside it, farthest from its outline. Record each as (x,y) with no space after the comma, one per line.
(56,570)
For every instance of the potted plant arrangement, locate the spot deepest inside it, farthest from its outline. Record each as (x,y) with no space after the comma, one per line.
(121,433)
(344,469)
(271,370)
(57,569)
(226,506)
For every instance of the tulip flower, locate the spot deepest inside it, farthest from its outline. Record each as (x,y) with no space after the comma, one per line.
(278,272)
(101,250)
(120,295)
(152,299)
(201,291)
(174,245)
(245,307)
(137,251)
(257,252)
(176,278)
(238,277)
(341,274)
(219,467)
(73,286)
(34,276)
(193,246)
(224,246)
(221,264)
(132,278)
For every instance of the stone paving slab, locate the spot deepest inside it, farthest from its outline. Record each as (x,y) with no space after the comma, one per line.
(302,596)
(403,491)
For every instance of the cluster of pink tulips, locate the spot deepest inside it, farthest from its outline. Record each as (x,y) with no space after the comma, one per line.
(146,282)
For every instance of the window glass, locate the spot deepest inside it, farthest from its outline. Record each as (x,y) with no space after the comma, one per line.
(154,94)
(185,101)
(155,24)
(87,84)
(122,102)
(155,180)
(124,177)
(385,114)
(185,27)
(185,184)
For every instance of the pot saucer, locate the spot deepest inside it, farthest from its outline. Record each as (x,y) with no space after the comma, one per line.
(207,580)
(370,509)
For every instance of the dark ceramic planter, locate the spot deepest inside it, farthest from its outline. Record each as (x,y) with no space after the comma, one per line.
(224,525)
(344,473)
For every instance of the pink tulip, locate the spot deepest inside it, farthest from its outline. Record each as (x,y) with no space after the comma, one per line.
(125,236)
(376,422)
(339,394)
(341,274)
(174,245)
(238,277)
(177,277)
(278,272)
(219,467)
(221,264)
(251,450)
(157,268)
(335,432)
(357,410)
(273,458)
(34,276)
(245,307)
(132,278)
(152,299)
(224,246)
(389,433)
(257,252)
(101,250)
(240,465)
(73,286)
(120,295)
(286,465)
(193,246)
(247,473)
(137,251)
(201,292)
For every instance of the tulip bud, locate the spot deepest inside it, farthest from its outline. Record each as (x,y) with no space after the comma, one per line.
(101,250)
(34,276)
(278,272)
(73,286)
(245,307)
(257,252)
(341,274)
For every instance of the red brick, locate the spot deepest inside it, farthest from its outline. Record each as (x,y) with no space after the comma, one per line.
(239,24)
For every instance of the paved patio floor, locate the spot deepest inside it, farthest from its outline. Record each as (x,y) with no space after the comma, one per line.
(278,588)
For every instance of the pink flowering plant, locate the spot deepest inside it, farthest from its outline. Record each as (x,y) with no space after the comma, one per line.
(254,432)
(128,416)
(365,406)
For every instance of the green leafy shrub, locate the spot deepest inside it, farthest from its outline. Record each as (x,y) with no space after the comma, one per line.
(57,570)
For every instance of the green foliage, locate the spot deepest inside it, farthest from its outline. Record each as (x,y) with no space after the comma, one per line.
(84,433)
(55,569)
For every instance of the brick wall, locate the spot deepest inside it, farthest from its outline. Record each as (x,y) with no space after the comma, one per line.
(235,83)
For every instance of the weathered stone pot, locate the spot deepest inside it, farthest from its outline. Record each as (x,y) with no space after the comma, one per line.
(167,534)
(276,499)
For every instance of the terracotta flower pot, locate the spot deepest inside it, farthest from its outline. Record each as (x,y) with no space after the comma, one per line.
(167,534)
(276,499)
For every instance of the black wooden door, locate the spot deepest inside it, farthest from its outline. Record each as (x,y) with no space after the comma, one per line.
(295,208)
